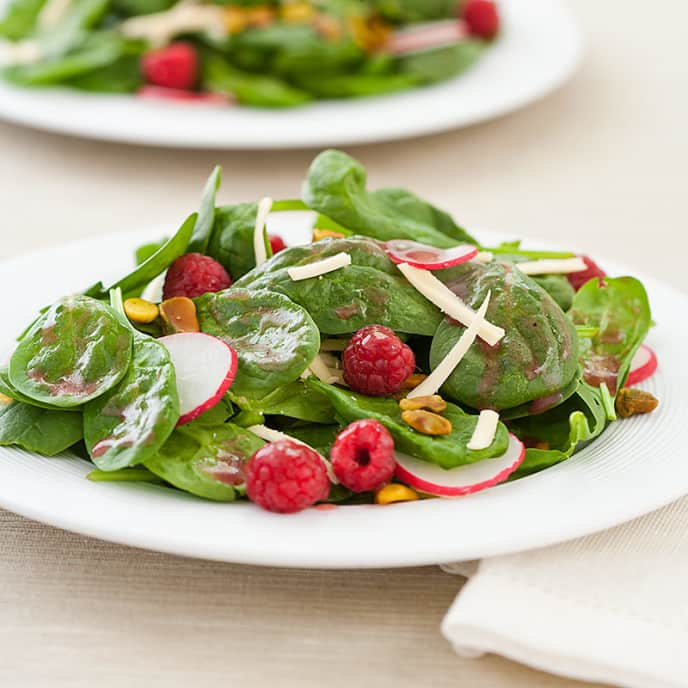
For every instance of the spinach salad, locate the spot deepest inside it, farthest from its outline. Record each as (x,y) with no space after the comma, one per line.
(261,53)
(392,358)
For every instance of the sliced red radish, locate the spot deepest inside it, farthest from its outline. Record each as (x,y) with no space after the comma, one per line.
(463,480)
(427,35)
(643,365)
(428,257)
(205,368)
(165,93)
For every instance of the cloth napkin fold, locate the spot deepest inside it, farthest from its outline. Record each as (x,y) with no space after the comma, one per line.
(611,607)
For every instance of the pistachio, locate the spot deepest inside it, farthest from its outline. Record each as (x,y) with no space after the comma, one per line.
(426,422)
(433,403)
(297,12)
(412,381)
(140,311)
(320,234)
(394,492)
(234,18)
(179,315)
(631,401)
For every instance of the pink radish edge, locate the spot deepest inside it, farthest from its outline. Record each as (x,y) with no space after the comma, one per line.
(401,251)
(445,491)
(643,365)
(222,388)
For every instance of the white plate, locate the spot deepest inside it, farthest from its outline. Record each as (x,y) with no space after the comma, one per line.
(636,466)
(539,49)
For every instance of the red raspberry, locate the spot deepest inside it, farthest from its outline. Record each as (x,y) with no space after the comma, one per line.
(286,477)
(194,274)
(363,455)
(276,243)
(578,279)
(376,362)
(175,66)
(482,18)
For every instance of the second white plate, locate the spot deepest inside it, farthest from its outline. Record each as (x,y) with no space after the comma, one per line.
(538,50)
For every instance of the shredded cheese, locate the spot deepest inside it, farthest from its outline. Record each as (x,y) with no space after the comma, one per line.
(264,206)
(270,435)
(552,266)
(184,17)
(446,367)
(318,366)
(319,267)
(484,257)
(52,12)
(448,302)
(485,430)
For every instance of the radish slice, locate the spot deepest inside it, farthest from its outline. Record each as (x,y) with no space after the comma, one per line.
(205,368)
(643,365)
(455,482)
(427,35)
(164,93)
(428,257)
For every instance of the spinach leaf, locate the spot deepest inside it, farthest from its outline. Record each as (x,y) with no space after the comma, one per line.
(124,475)
(619,310)
(131,422)
(343,301)
(132,8)
(20,19)
(39,430)
(153,266)
(369,291)
(448,451)
(76,351)
(563,429)
(295,400)
(9,391)
(206,215)
(320,437)
(438,64)
(354,85)
(535,364)
(408,11)
(559,288)
(231,241)
(274,338)
(336,187)
(123,75)
(248,88)
(207,461)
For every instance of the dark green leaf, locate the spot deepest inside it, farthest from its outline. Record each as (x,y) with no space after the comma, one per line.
(274,339)
(206,214)
(438,64)
(336,187)
(448,451)
(73,353)
(535,364)
(207,461)
(40,430)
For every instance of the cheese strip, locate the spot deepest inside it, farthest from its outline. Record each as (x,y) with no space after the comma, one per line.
(552,266)
(270,435)
(52,12)
(259,250)
(484,257)
(319,267)
(446,367)
(322,371)
(485,430)
(448,302)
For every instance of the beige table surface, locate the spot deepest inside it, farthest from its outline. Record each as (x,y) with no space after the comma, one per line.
(601,163)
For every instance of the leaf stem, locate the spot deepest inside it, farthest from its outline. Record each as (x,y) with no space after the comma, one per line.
(607,401)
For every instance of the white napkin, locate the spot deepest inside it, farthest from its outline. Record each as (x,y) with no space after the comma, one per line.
(611,607)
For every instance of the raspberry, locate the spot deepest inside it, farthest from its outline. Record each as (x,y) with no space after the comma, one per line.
(376,362)
(175,66)
(578,279)
(482,18)
(286,477)
(276,243)
(194,274)
(363,456)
